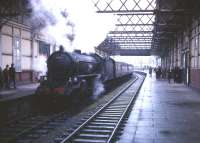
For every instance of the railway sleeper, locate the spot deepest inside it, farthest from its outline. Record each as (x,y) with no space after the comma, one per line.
(93,136)
(105,121)
(120,104)
(89,141)
(58,139)
(48,127)
(110,115)
(97,131)
(107,118)
(116,106)
(99,127)
(42,131)
(23,141)
(33,136)
(116,113)
(115,110)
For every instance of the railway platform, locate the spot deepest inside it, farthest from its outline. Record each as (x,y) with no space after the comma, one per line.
(163,113)
(21,91)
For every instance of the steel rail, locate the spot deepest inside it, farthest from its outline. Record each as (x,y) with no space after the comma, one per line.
(120,120)
(68,138)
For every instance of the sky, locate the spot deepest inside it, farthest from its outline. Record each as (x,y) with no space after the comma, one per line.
(90,27)
(139,61)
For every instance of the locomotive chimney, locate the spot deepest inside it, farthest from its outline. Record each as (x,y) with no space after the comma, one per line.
(61,48)
(77,51)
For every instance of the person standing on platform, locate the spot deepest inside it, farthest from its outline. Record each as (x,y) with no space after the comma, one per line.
(12,75)
(1,78)
(169,75)
(150,71)
(6,76)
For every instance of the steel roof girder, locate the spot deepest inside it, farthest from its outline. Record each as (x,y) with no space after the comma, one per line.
(127,32)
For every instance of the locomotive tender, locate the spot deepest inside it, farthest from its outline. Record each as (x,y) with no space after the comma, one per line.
(73,72)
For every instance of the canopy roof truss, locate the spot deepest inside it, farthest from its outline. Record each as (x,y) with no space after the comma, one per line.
(171,17)
(146,24)
(135,23)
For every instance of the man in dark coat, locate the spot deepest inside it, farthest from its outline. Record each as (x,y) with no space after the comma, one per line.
(169,75)
(6,76)
(1,78)
(150,71)
(12,75)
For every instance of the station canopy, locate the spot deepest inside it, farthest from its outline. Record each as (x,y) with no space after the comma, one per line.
(142,25)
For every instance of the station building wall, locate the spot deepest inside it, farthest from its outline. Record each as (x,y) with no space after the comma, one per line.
(184,52)
(195,52)
(18,46)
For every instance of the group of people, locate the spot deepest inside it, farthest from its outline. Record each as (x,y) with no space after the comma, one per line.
(175,74)
(7,77)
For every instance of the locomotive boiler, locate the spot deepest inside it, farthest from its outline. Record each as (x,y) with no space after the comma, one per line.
(75,72)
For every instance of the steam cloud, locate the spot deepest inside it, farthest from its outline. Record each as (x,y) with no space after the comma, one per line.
(60,20)
(40,65)
(50,17)
(98,88)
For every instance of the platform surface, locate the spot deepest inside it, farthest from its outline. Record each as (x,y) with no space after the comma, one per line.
(164,113)
(20,91)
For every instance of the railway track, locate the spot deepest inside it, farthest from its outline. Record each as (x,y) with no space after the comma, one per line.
(31,128)
(102,126)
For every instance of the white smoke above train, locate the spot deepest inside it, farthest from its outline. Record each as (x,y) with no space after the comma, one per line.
(51,19)
(71,23)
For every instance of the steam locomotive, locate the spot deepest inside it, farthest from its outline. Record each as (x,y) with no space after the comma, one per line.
(69,73)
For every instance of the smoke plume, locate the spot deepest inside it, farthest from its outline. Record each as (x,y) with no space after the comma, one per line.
(98,88)
(72,23)
(50,18)
(40,66)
